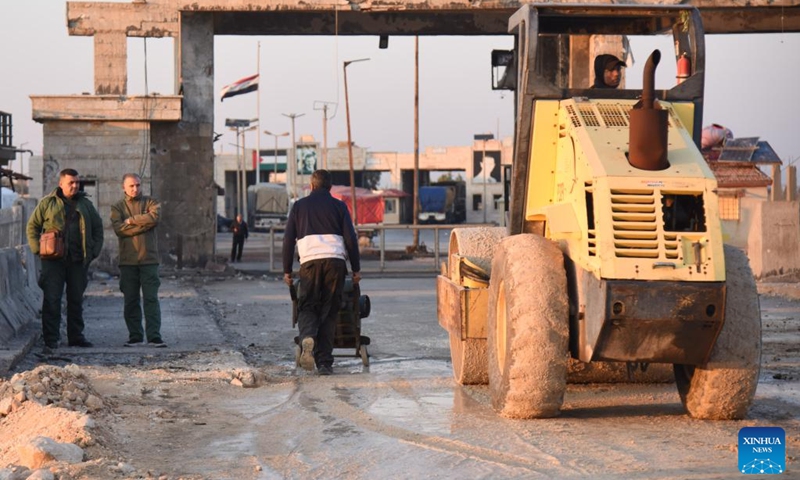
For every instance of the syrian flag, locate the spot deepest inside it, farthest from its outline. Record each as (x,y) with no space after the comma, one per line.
(240,87)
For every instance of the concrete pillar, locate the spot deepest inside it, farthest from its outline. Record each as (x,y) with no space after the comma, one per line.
(777,184)
(110,63)
(779,229)
(791,183)
(176,46)
(182,154)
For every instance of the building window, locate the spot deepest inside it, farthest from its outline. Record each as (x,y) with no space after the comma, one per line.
(729,206)
(495,199)
(477,202)
(390,205)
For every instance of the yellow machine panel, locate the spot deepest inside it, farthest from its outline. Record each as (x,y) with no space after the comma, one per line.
(613,219)
(544,148)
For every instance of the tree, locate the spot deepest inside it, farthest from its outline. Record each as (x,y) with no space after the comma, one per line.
(449,177)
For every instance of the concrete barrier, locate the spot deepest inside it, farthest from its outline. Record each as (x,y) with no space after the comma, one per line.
(10,226)
(20,295)
(13,222)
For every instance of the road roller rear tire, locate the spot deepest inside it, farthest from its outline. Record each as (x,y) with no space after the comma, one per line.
(475,243)
(469,360)
(469,355)
(724,388)
(528,328)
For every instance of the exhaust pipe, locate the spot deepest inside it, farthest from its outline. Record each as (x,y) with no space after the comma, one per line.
(649,124)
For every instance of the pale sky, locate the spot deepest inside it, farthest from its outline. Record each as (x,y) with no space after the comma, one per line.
(751,82)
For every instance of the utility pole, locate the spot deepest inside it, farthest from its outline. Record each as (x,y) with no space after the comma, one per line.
(292,169)
(324,109)
(415,209)
(257,164)
(350,141)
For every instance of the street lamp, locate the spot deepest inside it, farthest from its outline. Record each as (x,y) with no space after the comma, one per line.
(275,163)
(238,173)
(240,126)
(244,172)
(349,140)
(484,137)
(292,172)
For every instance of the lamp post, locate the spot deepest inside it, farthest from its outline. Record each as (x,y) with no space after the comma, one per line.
(238,173)
(415,208)
(350,141)
(240,126)
(483,137)
(244,172)
(292,171)
(275,152)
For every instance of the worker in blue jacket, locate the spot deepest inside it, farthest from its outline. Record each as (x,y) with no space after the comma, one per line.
(321,228)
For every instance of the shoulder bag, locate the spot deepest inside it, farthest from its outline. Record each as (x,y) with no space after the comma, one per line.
(51,245)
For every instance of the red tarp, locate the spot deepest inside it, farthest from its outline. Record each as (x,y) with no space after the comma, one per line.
(370,205)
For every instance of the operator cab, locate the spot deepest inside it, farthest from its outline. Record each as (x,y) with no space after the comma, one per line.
(552,59)
(559,63)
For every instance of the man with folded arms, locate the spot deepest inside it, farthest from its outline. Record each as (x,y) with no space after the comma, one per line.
(134,219)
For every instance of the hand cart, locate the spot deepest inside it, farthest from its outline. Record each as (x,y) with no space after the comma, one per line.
(354,307)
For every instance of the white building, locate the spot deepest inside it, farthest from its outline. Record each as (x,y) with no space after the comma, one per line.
(483,166)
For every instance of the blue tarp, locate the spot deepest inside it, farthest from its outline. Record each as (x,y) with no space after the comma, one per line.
(433,199)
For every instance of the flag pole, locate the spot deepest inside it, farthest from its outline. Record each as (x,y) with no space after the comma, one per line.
(257,156)
(258,111)
(257,160)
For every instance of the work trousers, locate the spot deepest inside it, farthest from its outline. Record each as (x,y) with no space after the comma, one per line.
(236,250)
(321,285)
(137,283)
(54,276)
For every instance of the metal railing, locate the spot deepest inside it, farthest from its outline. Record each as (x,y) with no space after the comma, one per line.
(383,266)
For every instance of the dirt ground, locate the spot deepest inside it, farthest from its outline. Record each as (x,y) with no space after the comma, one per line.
(242,411)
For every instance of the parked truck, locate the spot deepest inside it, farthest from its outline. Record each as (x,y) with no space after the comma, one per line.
(267,204)
(443,202)
(614,252)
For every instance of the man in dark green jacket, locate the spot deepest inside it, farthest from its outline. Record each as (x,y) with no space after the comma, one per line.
(66,210)
(134,219)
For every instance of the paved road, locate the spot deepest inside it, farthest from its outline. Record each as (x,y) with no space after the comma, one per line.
(403,417)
